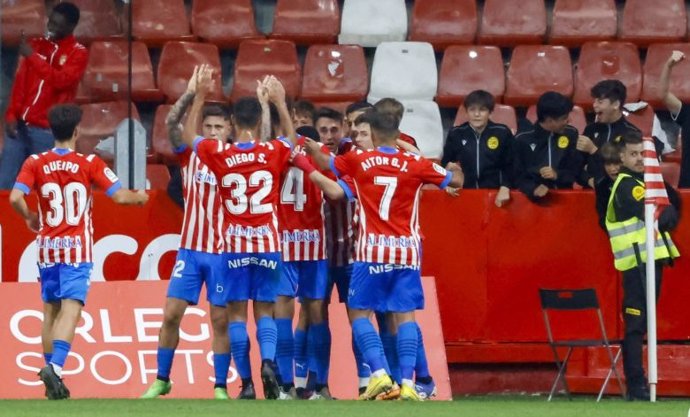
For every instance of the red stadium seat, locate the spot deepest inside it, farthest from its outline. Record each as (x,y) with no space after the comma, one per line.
(509,23)
(106,78)
(577,117)
(99,121)
(444,22)
(657,55)
(158,176)
(502,114)
(643,119)
(468,68)
(225,23)
(177,63)
(671,172)
(307,21)
(99,20)
(158,21)
(607,60)
(256,59)
(335,73)
(578,21)
(645,22)
(26,15)
(536,69)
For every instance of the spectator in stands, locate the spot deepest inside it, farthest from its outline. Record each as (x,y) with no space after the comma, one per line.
(49,72)
(680,113)
(391,105)
(611,156)
(331,127)
(545,156)
(352,112)
(303,113)
(609,125)
(482,148)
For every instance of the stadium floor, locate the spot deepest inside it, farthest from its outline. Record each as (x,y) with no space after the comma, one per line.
(495,406)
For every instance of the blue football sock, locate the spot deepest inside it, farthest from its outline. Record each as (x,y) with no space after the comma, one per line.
(164,356)
(320,336)
(363,370)
(386,349)
(369,342)
(285,350)
(421,369)
(60,351)
(407,349)
(47,357)
(239,346)
(267,335)
(301,364)
(221,364)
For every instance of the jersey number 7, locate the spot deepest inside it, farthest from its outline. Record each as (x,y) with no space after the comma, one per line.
(391,183)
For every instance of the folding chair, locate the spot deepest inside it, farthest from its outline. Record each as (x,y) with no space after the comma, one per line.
(577,300)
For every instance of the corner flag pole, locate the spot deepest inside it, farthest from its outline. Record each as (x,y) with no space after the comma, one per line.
(649,209)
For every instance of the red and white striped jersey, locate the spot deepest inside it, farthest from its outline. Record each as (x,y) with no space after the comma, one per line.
(388,184)
(301,216)
(249,180)
(340,233)
(63,180)
(203,215)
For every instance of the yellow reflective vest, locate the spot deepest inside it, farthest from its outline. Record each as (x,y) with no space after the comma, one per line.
(625,234)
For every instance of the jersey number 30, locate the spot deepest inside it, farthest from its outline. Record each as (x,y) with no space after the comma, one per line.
(66,203)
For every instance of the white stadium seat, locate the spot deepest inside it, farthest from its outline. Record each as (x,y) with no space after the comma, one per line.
(405,71)
(370,22)
(422,121)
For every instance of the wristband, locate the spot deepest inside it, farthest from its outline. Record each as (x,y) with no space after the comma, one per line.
(301,162)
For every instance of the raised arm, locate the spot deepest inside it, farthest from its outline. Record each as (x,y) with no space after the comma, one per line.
(330,188)
(313,149)
(203,86)
(262,96)
(276,93)
(673,104)
(174,118)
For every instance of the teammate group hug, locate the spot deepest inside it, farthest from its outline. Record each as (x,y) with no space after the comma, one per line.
(266,220)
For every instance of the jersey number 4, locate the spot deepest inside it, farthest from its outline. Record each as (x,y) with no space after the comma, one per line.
(293,189)
(66,203)
(239,203)
(391,183)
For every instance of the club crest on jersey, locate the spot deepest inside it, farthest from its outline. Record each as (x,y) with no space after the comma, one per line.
(63,59)
(533,146)
(492,143)
(464,142)
(438,168)
(563,142)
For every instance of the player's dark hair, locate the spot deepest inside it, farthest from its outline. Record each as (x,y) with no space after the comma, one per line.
(553,105)
(69,11)
(63,119)
(481,99)
(610,153)
(246,113)
(631,137)
(217,110)
(392,106)
(613,90)
(328,113)
(306,108)
(357,106)
(364,117)
(309,132)
(384,124)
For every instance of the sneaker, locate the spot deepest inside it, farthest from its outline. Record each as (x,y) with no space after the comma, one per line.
(268,377)
(247,392)
(408,393)
(55,388)
(425,391)
(323,394)
(361,390)
(157,389)
(220,393)
(393,394)
(288,395)
(377,385)
(638,394)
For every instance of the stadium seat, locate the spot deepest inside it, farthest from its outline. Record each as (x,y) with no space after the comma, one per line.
(106,78)
(645,22)
(643,119)
(158,21)
(177,63)
(510,23)
(99,20)
(607,60)
(307,22)
(157,176)
(444,22)
(657,55)
(536,69)
(99,121)
(26,15)
(578,21)
(335,73)
(405,71)
(224,24)
(671,172)
(502,114)
(368,23)
(468,68)
(422,121)
(256,59)
(576,119)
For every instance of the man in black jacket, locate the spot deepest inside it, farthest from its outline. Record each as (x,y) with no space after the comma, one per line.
(482,148)
(545,156)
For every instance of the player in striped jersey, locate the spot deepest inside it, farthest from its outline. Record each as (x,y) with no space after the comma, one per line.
(386,272)
(199,260)
(63,180)
(249,175)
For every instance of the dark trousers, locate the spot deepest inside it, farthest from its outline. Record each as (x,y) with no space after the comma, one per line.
(635,318)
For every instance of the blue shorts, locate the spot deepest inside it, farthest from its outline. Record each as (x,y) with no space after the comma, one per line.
(340,277)
(253,276)
(192,270)
(385,288)
(304,279)
(65,281)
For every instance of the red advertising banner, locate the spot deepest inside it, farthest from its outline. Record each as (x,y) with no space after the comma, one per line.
(114,350)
